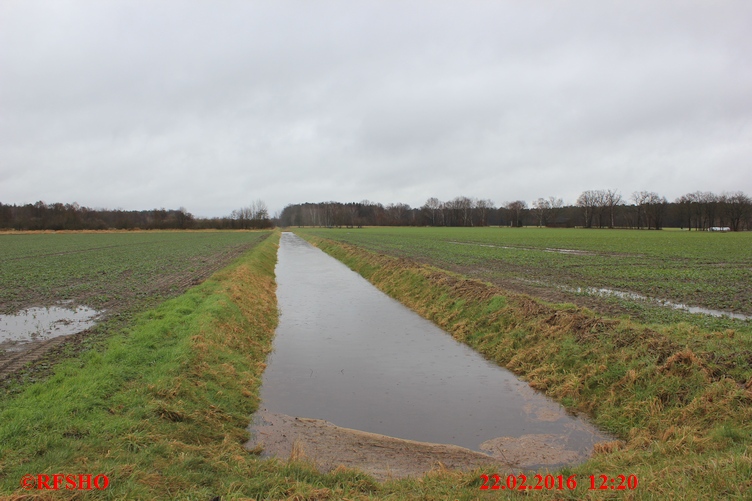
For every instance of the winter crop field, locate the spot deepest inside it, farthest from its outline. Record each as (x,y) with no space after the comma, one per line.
(110,270)
(646,274)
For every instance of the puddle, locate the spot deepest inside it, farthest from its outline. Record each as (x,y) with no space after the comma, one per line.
(611,292)
(633,296)
(39,324)
(347,354)
(574,252)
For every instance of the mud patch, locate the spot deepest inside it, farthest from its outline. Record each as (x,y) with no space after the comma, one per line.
(329,446)
(533,451)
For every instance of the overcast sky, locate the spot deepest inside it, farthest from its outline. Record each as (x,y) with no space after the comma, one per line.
(213,104)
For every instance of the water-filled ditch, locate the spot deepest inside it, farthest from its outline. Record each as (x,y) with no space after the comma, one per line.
(346,353)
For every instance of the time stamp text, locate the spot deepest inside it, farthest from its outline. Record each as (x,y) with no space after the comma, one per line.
(521,482)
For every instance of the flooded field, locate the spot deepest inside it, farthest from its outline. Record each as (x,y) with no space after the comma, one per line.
(40,324)
(602,291)
(31,332)
(348,354)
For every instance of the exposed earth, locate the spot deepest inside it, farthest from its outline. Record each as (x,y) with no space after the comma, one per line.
(330,447)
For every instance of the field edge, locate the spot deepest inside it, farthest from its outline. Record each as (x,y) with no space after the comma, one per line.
(674,411)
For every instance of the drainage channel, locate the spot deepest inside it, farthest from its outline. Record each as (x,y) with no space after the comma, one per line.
(346,355)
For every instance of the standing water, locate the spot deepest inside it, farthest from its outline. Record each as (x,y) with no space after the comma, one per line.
(347,353)
(38,324)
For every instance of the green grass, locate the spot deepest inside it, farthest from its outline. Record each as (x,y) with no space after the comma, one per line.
(710,270)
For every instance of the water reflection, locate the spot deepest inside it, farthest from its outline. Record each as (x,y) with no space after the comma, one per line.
(38,324)
(347,353)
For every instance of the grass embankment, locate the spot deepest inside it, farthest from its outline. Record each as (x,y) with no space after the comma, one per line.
(679,398)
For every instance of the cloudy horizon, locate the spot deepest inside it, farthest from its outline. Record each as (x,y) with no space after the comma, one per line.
(211,105)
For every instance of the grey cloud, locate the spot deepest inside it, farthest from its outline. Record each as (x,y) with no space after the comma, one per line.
(209,105)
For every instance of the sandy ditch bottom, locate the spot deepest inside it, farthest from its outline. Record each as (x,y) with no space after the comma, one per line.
(329,446)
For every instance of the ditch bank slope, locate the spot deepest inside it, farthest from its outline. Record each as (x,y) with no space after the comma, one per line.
(680,399)
(162,409)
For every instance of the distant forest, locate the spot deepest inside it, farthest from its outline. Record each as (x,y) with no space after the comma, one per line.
(58,216)
(593,209)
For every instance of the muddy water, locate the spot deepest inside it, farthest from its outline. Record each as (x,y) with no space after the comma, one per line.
(39,324)
(346,353)
(662,302)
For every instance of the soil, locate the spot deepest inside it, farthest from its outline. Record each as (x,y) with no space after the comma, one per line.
(168,283)
(34,359)
(330,447)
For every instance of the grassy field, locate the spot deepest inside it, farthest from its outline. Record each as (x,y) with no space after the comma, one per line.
(710,270)
(110,270)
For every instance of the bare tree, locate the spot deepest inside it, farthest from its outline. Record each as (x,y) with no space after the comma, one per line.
(612,198)
(541,207)
(463,208)
(351,210)
(516,210)
(432,210)
(483,207)
(448,213)
(255,215)
(588,201)
(708,208)
(640,199)
(599,206)
(547,210)
(397,214)
(654,208)
(684,204)
(259,210)
(555,207)
(328,214)
(738,207)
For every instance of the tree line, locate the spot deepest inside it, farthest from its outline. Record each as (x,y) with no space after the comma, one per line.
(593,209)
(58,216)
